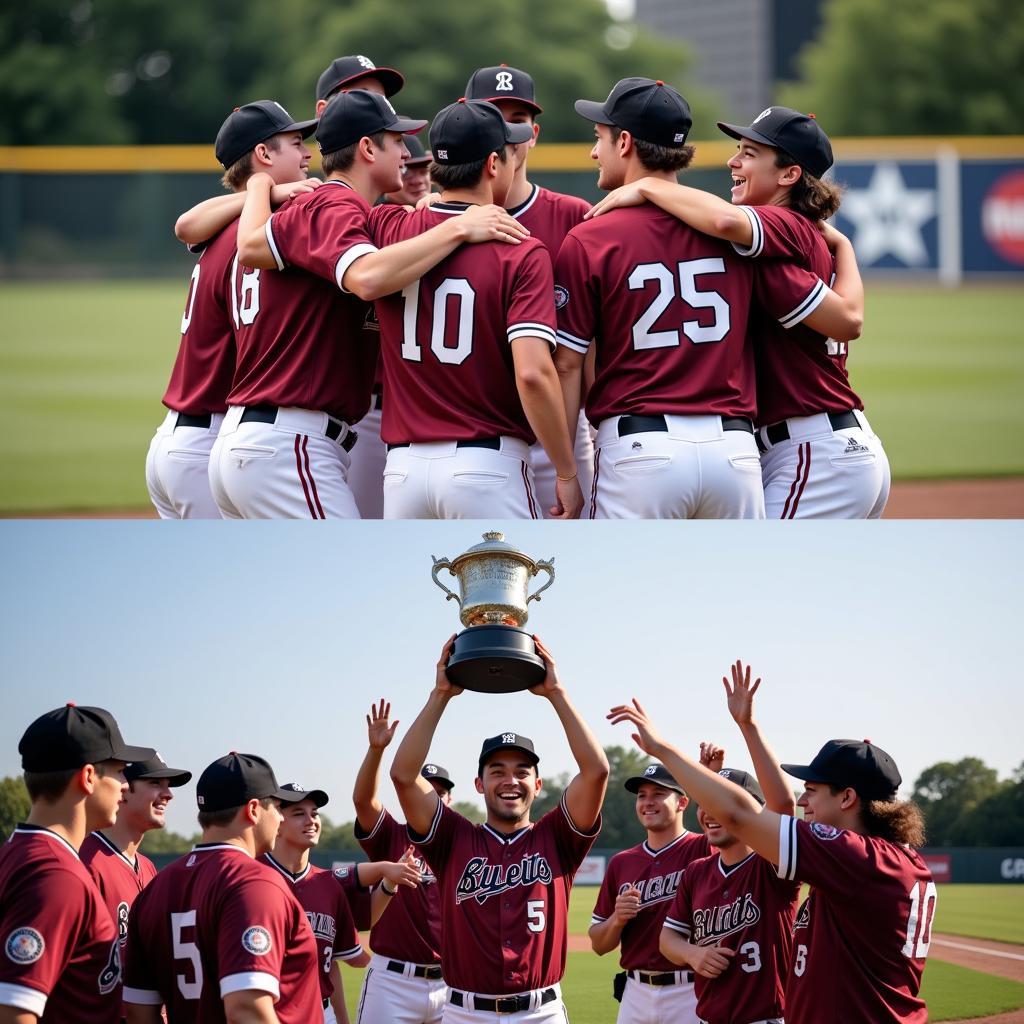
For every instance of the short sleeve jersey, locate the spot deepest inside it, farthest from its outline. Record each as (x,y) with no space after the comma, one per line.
(862,935)
(670,330)
(302,341)
(205,364)
(323,899)
(61,958)
(549,216)
(117,878)
(357,894)
(410,927)
(504,898)
(744,907)
(799,371)
(446,340)
(215,922)
(656,873)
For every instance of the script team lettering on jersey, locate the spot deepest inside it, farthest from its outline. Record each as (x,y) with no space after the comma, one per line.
(480,879)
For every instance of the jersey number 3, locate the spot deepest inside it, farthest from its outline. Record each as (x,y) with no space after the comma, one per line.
(686,276)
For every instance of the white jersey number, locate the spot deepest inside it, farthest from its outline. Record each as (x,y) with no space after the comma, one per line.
(753,953)
(190,302)
(328,954)
(535,919)
(800,961)
(451,287)
(187,951)
(688,271)
(919,921)
(244,311)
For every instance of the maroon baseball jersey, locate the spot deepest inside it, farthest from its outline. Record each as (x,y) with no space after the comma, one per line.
(656,874)
(205,364)
(799,371)
(358,895)
(61,960)
(323,899)
(748,908)
(447,338)
(670,330)
(862,935)
(302,340)
(504,898)
(117,878)
(549,216)
(215,922)
(410,927)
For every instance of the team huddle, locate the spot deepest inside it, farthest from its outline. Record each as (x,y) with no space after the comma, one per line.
(469,923)
(359,348)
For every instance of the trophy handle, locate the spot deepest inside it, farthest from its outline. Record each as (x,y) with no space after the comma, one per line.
(549,568)
(443,563)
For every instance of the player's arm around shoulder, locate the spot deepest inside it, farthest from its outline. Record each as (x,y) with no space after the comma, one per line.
(253,245)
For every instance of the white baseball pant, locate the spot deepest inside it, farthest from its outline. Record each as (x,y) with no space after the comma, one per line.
(177,469)
(544,470)
(366,473)
(552,1012)
(446,480)
(288,469)
(658,1004)
(693,470)
(390,998)
(822,473)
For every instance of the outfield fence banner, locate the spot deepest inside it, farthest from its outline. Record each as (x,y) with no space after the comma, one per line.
(939,209)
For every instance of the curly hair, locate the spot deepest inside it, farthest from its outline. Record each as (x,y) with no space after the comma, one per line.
(809,195)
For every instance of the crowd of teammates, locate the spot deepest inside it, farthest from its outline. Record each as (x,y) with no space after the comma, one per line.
(358,348)
(469,923)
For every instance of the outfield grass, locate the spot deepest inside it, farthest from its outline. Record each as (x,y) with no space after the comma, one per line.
(982,911)
(83,366)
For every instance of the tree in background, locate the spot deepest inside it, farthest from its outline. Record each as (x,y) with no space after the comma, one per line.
(14,804)
(917,67)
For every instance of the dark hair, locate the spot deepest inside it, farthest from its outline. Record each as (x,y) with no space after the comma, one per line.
(447,176)
(809,195)
(658,158)
(221,819)
(342,159)
(898,821)
(49,787)
(235,177)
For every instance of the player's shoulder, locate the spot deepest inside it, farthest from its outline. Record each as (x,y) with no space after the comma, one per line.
(332,194)
(563,202)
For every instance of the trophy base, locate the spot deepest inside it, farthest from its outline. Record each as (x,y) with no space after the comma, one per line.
(495,659)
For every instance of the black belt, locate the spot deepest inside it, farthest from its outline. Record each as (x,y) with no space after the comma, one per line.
(779,432)
(188,420)
(503,1004)
(268,414)
(430,973)
(326,1003)
(662,978)
(378,401)
(648,424)
(494,443)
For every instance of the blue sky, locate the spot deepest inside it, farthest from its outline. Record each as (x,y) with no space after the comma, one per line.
(274,638)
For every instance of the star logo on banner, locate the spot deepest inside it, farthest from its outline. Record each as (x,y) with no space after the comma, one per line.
(888,217)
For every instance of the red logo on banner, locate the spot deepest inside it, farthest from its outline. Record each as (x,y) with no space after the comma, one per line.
(1002,217)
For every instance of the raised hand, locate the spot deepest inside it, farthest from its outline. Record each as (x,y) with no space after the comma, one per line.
(405,871)
(550,684)
(740,696)
(646,737)
(625,195)
(378,731)
(442,684)
(491,224)
(291,189)
(627,905)
(712,757)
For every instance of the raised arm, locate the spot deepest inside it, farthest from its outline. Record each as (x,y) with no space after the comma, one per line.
(253,247)
(585,794)
(416,795)
(380,732)
(740,698)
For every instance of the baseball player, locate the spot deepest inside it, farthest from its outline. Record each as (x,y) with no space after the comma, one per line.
(415,175)
(404,982)
(467,348)
(862,935)
(61,958)
(218,936)
(259,136)
(549,216)
(634,897)
(674,391)
(505,884)
(820,458)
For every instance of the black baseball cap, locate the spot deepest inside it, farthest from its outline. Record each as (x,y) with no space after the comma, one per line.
(236,778)
(247,126)
(507,741)
(471,130)
(298,794)
(649,110)
(797,134)
(417,154)
(354,115)
(502,83)
(857,763)
(73,736)
(155,767)
(656,773)
(435,773)
(745,780)
(344,71)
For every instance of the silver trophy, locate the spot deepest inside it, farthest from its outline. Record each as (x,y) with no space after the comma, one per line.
(494,654)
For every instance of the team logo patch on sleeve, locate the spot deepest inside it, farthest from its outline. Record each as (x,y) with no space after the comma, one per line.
(256,940)
(823,831)
(561,296)
(342,873)
(24,946)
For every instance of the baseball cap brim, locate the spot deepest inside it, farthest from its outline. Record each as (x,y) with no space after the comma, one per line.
(175,776)
(634,784)
(517,133)
(511,97)
(291,796)
(737,131)
(803,771)
(405,125)
(129,754)
(592,111)
(528,754)
(306,127)
(389,78)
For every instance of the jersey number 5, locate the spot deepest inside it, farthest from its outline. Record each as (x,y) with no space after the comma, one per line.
(688,271)
(451,287)
(187,951)
(535,919)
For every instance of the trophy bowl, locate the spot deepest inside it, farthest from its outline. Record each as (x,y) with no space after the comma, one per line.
(494,654)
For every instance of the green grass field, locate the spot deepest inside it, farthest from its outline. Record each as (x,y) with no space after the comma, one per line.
(83,366)
(982,911)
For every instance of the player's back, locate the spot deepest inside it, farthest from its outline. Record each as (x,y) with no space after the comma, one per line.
(550,216)
(667,308)
(446,339)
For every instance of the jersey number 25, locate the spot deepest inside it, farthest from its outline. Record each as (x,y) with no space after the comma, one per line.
(685,277)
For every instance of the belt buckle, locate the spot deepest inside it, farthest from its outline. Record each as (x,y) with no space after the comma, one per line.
(506,1004)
